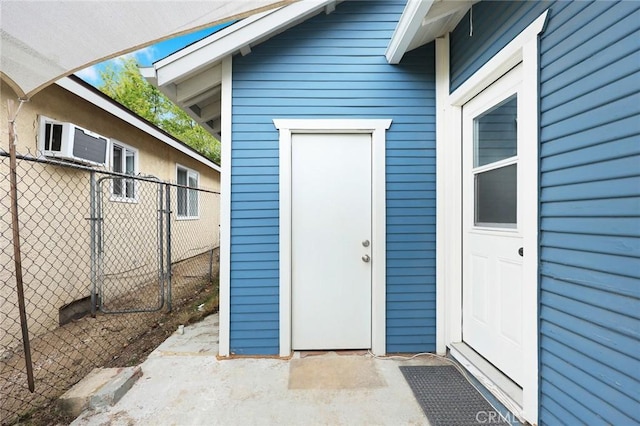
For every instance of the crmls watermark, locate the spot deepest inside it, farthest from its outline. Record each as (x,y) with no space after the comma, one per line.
(494,417)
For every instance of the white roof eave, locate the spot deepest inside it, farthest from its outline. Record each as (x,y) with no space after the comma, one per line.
(210,51)
(422,21)
(103,102)
(408,25)
(192,77)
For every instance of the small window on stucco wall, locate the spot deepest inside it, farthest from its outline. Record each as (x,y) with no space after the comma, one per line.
(187,199)
(124,159)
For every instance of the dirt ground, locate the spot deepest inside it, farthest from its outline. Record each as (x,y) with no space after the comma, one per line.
(65,355)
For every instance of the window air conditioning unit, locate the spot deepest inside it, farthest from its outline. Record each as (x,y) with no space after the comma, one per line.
(70,142)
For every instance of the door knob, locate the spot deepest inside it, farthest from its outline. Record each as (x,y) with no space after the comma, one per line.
(521,251)
(365,243)
(366,258)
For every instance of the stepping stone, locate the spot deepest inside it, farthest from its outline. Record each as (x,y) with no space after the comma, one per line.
(100,388)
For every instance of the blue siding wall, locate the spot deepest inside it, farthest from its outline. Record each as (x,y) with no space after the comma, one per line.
(333,66)
(590,198)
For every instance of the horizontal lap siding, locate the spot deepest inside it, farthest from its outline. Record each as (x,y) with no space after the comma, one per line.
(494,25)
(333,66)
(589,212)
(589,202)
(254,242)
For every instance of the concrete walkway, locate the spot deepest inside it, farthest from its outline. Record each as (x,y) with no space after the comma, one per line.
(184,384)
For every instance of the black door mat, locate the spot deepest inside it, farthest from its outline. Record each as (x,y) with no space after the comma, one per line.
(447,398)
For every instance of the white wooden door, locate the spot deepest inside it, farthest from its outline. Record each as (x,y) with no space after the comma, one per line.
(331,233)
(492,225)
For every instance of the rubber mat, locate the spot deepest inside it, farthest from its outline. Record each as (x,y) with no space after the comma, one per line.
(447,398)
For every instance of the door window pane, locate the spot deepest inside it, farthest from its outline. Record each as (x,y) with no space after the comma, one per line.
(495,133)
(496,197)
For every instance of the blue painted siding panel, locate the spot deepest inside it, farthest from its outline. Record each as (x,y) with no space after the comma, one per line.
(333,66)
(589,198)
(471,49)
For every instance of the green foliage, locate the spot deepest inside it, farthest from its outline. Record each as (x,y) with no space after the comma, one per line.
(125,84)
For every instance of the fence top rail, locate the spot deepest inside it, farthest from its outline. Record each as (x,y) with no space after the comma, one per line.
(108,173)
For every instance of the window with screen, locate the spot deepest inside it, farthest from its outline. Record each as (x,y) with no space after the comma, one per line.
(124,159)
(187,199)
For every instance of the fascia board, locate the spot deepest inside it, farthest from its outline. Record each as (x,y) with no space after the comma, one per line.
(230,40)
(407,28)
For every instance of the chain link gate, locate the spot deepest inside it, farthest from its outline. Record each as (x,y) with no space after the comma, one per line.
(132,243)
(131,255)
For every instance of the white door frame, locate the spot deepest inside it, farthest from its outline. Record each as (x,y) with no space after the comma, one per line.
(524,49)
(377,130)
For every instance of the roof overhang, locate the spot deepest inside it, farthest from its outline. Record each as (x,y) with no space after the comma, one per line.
(42,41)
(192,77)
(92,95)
(423,21)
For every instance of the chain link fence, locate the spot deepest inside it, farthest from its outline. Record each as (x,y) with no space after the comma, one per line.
(111,264)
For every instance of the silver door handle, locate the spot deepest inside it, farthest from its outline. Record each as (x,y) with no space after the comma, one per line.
(365,243)
(366,258)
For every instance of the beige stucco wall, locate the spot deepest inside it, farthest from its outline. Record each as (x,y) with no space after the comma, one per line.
(156,158)
(54,205)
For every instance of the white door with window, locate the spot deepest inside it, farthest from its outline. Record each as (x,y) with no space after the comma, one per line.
(492,305)
(331,241)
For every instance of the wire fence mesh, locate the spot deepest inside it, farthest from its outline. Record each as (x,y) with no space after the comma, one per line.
(111,264)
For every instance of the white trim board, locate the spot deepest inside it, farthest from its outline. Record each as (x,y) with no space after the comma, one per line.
(232,39)
(522,49)
(225,211)
(408,25)
(423,21)
(490,377)
(377,129)
(443,182)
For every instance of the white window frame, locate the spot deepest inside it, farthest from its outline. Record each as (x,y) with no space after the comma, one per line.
(136,155)
(42,123)
(190,173)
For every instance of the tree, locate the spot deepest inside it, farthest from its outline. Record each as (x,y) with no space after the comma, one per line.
(124,84)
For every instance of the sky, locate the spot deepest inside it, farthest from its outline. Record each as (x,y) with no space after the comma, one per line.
(148,55)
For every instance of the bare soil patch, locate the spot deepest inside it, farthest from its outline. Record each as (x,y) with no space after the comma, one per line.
(66,354)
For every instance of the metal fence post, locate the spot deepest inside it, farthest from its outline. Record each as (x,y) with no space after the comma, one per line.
(211,265)
(94,249)
(17,255)
(161,272)
(99,241)
(169,266)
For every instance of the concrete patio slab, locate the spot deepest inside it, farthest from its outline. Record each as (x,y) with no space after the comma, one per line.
(184,384)
(199,339)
